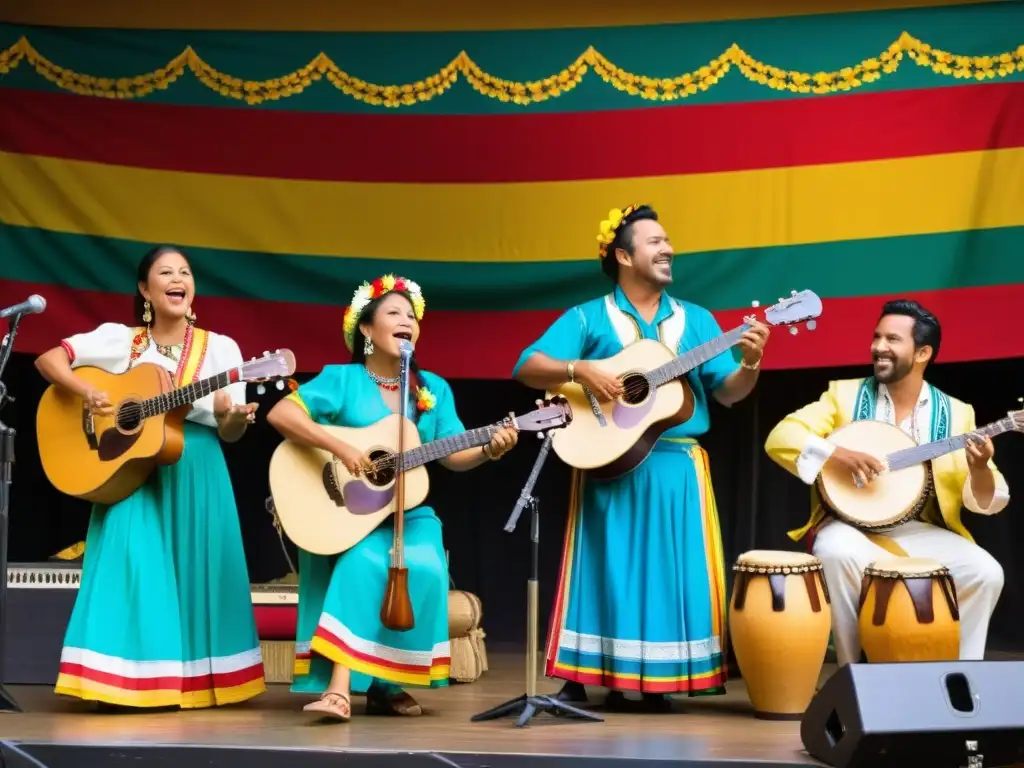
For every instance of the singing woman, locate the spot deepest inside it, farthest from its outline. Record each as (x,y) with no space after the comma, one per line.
(164,616)
(342,646)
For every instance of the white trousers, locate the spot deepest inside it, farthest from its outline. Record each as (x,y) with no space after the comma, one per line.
(845,552)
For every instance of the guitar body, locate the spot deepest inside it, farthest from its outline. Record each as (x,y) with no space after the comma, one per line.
(890,498)
(632,424)
(321,507)
(120,454)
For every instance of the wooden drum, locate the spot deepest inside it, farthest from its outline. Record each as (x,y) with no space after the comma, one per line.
(780,619)
(909,611)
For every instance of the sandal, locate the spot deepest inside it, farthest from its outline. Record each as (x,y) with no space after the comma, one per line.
(332,705)
(396,702)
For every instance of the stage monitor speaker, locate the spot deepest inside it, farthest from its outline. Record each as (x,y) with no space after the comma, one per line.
(955,713)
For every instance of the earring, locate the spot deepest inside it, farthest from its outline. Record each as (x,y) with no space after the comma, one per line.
(367,346)
(147,315)
(190,317)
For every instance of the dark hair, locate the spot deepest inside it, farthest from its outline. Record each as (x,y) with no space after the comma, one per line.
(624,240)
(142,275)
(927,329)
(358,339)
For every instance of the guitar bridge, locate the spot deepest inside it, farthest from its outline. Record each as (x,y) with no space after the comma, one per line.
(330,480)
(595,407)
(89,428)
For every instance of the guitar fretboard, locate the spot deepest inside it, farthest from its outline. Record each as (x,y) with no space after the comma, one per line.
(686,362)
(918,454)
(186,395)
(446,446)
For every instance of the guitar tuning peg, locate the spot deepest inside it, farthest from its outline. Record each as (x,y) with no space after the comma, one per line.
(265,353)
(792,293)
(812,324)
(538,402)
(755,303)
(261,390)
(540,435)
(280,385)
(793,330)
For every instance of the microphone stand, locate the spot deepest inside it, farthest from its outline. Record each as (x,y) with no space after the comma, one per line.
(396,612)
(530,703)
(7,435)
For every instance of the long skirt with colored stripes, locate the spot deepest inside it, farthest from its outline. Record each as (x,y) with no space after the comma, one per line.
(640,604)
(339,613)
(164,613)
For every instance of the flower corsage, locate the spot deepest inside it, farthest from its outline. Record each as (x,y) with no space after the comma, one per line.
(425,400)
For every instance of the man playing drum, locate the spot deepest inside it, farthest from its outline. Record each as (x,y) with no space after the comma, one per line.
(906,341)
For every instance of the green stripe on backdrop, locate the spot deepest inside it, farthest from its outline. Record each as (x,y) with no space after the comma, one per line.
(808,43)
(719,280)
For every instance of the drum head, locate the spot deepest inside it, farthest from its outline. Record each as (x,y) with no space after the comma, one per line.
(895,567)
(776,559)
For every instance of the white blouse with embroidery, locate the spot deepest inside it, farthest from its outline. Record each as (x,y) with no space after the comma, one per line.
(109,348)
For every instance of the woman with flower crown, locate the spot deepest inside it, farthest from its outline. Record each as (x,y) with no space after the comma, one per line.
(341,644)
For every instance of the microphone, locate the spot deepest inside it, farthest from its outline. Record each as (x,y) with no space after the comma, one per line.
(31,306)
(405,349)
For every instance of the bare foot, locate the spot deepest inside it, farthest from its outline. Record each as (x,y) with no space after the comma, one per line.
(336,706)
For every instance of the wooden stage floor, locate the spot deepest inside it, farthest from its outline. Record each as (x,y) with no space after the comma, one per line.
(697,732)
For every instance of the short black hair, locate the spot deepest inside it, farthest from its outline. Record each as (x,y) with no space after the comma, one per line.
(927,329)
(624,240)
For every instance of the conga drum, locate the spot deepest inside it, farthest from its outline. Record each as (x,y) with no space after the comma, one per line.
(780,619)
(909,611)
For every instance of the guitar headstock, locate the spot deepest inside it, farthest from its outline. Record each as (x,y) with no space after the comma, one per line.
(1017,417)
(554,413)
(800,307)
(273,365)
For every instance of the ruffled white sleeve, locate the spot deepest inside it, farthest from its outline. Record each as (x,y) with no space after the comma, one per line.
(108,347)
(816,452)
(999,502)
(222,354)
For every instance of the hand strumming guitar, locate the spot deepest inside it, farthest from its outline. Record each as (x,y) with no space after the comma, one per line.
(863,466)
(603,385)
(355,461)
(98,402)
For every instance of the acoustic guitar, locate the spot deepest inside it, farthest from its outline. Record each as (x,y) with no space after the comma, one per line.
(899,493)
(610,439)
(325,510)
(104,459)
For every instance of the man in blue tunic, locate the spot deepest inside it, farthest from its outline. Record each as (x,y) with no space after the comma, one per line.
(641,602)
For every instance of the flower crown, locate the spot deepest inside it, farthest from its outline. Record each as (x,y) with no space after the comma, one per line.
(368,292)
(610,227)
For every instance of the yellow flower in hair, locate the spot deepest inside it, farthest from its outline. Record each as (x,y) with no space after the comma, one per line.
(388,283)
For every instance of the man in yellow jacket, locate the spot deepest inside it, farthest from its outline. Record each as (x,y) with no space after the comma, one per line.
(907,339)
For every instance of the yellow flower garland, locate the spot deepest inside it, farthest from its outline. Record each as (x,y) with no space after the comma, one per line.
(529,92)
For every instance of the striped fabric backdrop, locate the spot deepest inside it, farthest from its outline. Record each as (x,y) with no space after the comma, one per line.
(296,150)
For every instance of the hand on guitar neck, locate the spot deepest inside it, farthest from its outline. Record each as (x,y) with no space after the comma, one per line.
(862,466)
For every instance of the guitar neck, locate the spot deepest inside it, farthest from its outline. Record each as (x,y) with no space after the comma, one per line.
(446,446)
(919,454)
(187,395)
(685,363)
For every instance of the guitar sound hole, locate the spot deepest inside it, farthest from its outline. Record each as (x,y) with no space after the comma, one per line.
(129,416)
(385,462)
(635,388)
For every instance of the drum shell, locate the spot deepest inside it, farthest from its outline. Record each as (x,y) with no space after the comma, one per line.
(889,625)
(780,652)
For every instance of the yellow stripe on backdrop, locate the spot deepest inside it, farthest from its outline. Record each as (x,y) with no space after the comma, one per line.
(550,221)
(416,15)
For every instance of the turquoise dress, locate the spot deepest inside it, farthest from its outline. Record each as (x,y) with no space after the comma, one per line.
(164,613)
(641,603)
(340,596)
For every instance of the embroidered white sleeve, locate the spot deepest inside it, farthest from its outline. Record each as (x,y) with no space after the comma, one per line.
(1000,498)
(813,457)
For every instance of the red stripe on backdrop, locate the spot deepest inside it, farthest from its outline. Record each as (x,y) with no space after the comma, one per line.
(487,344)
(528,147)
